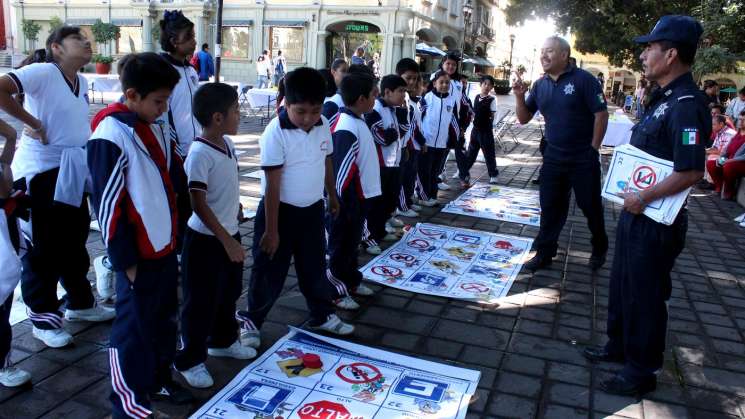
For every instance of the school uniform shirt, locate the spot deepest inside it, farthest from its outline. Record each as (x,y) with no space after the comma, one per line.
(355,157)
(414,137)
(62,108)
(484,108)
(384,125)
(331,107)
(180,114)
(135,171)
(439,119)
(214,170)
(301,156)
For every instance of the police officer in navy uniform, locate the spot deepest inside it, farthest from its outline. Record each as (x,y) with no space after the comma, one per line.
(675,128)
(576,115)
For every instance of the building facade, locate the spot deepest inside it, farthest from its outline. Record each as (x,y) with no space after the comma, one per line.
(309,33)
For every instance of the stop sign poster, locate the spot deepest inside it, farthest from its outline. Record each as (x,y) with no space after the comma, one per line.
(632,171)
(451,262)
(309,376)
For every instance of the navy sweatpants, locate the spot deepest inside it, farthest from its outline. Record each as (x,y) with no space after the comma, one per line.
(58,254)
(6,332)
(480,140)
(558,180)
(430,166)
(210,285)
(345,235)
(302,236)
(143,336)
(383,206)
(409,172)
(640,285)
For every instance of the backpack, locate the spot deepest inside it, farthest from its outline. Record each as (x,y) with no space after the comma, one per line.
(195,61)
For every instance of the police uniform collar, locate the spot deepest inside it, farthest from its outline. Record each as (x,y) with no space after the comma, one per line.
(285,123)
(349,112)
(683,79)
(567,71)
(174,61)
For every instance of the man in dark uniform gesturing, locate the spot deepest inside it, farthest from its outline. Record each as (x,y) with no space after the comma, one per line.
(574,107)
(675,127)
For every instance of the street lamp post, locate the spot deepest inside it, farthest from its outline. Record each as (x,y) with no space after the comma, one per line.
(467,12)
(512,46)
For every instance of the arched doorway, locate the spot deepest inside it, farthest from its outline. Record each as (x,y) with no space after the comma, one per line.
(346,36)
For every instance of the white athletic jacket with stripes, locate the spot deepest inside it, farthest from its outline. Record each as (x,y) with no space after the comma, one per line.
(355,158)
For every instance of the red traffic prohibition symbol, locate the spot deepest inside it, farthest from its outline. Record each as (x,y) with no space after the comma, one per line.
(644,177)
(402,257)
(389,271)
(359,373)
(419,244)
(474,287)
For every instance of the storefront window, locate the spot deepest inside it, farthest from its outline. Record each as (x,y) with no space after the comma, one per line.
(235,42)
(130,39)
(289,41)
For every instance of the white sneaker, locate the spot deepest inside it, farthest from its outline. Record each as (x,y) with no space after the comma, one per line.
(415,207)
(198,376)
(390,229)
(54,338)
(335,325)
(395,222)
(432,202)
(443,186)
(390,237)
(93,314)
(250,338)
(14,377)
(374,250)
(493,180)
(235,351)
(455,175)
(363,290)
(104,277)
(407,213)
(347,303)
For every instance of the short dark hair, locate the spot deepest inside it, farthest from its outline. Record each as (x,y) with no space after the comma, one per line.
(304,85)
(720,118)
(717,106)
(205,46)
(123,63)
(329,81)
(360,69)
(450,56)
(279,52)
(56,37)
(488,78)
(138,74)
(710,83)
(355,85)
(171,26)
(686,52)
(406,64)
(338,63)
(742,91)
(391,82)
(212,98)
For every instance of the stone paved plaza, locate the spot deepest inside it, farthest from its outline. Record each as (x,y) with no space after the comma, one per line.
(528,348)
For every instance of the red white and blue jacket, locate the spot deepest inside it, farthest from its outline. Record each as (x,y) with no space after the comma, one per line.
(331,108)
(384,124)
(355,157)
(136,173)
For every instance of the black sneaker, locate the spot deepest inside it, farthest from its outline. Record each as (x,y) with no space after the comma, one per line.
(174,393)
(536,181)
(601,354)
(623,386)
(597,260)
(539,261)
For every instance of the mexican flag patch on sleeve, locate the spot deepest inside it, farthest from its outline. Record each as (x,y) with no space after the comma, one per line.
(690,136)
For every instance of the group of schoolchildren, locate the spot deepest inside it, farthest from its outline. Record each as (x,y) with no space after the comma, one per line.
(162,175)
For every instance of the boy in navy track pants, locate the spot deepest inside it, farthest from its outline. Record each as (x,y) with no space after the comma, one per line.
(357,173)
(296,153)
(135,171)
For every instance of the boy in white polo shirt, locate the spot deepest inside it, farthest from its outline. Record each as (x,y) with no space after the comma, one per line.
(212,262)
(296,153)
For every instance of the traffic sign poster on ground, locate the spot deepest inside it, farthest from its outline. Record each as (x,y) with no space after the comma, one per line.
(498,203)
(309,376)
(451,262)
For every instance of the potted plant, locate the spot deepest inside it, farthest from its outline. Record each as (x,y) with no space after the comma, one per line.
(103,63)
(103,33)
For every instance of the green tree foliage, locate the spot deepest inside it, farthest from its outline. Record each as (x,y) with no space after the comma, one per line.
(608,27)
(54,23)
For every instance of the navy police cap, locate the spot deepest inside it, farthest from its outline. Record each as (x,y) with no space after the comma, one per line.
(676,28)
